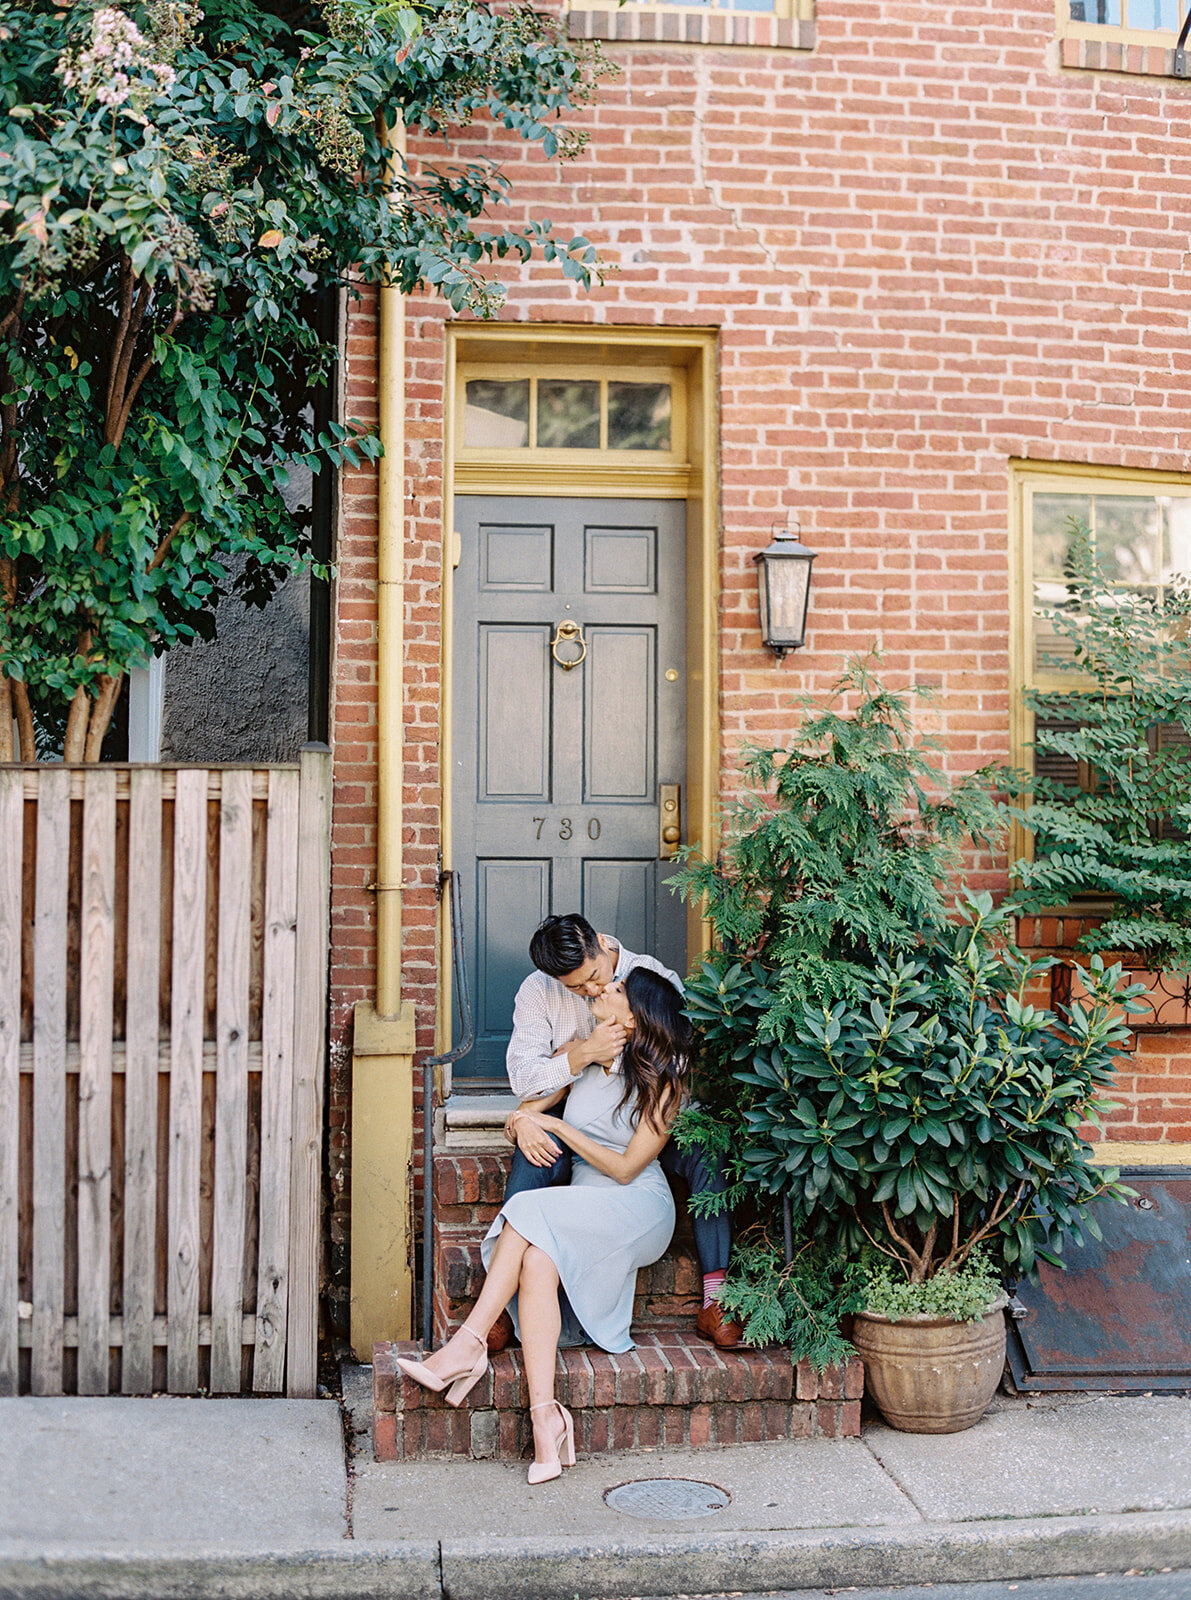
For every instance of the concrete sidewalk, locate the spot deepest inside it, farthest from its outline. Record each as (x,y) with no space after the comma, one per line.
(162,1498)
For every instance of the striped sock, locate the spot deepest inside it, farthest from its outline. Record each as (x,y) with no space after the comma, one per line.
(713,1282)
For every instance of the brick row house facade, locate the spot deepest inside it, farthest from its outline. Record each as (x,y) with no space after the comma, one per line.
(913,276)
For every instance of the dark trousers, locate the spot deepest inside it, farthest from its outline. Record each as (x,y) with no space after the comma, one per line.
(700,1170)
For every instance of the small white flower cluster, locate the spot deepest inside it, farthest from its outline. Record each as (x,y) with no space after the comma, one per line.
(118,64)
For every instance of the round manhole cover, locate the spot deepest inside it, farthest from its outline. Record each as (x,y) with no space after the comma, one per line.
(668,1497)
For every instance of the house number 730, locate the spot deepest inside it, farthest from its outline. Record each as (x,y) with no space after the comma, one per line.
(566,828)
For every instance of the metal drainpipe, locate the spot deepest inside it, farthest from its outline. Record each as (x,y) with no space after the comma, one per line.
(390,626)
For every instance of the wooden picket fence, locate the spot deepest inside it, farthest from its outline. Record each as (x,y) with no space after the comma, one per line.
(163,958)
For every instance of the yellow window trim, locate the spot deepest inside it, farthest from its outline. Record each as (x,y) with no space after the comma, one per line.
(1027,479)
(791,10)
(1067,28)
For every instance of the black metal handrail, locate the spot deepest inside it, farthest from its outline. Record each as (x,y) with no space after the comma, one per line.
(463,1001)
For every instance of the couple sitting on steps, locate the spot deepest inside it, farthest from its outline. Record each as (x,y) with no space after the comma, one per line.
(598,1033)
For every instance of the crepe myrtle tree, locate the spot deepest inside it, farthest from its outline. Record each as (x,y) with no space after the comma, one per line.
(174,184)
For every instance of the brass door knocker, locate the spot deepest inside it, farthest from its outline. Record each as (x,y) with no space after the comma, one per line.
(568,632)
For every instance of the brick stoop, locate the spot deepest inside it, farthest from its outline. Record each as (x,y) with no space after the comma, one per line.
(673,1389)
(468,1190)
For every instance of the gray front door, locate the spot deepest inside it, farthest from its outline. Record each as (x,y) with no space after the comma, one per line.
(557,769)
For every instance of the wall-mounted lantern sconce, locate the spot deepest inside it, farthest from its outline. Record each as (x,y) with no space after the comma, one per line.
(784,591)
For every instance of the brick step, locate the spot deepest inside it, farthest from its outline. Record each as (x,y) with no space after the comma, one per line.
(468,1190)
(671,1390)
(668,1292)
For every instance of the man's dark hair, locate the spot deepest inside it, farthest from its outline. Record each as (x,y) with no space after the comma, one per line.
(563,944)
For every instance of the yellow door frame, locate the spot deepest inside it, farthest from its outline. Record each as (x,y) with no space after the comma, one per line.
(690,472)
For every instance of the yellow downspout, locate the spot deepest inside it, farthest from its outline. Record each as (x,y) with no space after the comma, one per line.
(383,1044)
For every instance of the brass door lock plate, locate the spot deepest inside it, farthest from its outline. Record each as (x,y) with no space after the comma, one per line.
(669,821)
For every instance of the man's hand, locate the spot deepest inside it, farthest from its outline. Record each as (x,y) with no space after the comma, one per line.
(605,1043)
(534,1143)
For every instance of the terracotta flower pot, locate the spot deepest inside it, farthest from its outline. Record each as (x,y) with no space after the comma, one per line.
(931,1374)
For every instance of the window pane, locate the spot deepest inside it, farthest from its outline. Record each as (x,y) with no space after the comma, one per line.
(1054,532)
(1102,11)
(1178,538)
(496,416)
(1129,538)
(568,415)
(1153,14)
(638,416)
(1050,647)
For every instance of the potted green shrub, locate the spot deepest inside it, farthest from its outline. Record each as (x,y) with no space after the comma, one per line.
(872,1065)
(935,1124)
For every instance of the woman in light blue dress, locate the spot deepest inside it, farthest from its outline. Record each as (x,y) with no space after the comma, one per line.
(577,1248)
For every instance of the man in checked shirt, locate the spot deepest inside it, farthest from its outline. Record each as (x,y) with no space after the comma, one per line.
(573,965)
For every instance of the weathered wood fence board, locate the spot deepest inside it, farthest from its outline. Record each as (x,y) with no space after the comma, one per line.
(50,934)
(97,966)
(11,855)
(142,1050)
(163,952)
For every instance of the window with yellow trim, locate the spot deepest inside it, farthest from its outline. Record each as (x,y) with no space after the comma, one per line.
(1144,21)
(1139,527)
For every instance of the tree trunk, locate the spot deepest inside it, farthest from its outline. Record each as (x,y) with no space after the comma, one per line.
(75,743)
(6,745)
(101,715)
(20,695)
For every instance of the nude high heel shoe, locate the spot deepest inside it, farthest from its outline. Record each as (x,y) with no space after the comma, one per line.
(564,1446)
(462,1381)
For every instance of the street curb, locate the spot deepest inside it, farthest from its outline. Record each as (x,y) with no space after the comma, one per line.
(568,1569)
(362,1572)
(756,1563)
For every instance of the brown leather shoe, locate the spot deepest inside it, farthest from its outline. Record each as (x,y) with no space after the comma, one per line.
(500,1333)
(712,1325)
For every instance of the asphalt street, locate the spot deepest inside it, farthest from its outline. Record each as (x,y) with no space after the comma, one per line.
(1134,1585)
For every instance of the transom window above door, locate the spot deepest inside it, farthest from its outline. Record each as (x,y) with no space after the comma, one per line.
(571,411)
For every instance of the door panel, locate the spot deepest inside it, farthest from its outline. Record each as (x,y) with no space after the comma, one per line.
(619,894)
(619,692)
(556,770)
(511,899)
(514,722)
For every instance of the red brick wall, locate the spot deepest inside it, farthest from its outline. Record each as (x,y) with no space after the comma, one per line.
(929,250)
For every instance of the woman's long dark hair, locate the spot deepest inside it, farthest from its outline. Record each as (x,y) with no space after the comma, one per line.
(659,1048)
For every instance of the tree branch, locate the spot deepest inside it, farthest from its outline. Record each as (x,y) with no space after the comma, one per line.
(143,372)
(118,340)
(915,1258)
(119,401)
(163,549)
(1001,1209)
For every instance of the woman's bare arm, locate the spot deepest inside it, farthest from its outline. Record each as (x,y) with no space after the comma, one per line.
(623,1165)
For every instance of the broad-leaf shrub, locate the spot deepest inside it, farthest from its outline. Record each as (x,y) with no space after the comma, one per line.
(937,1111)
